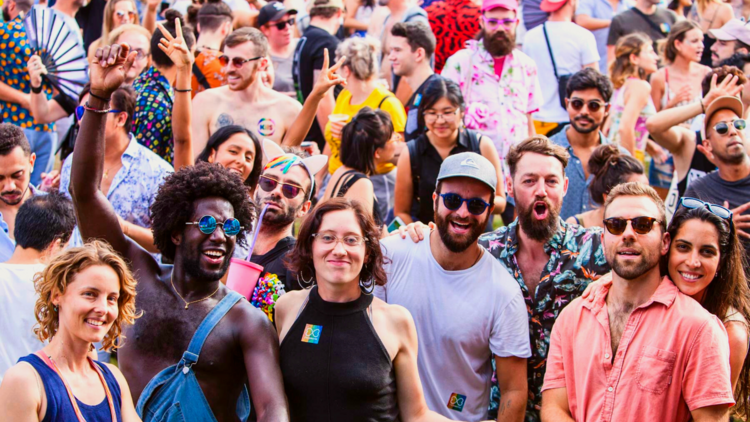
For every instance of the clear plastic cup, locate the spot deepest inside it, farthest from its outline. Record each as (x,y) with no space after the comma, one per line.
(243,276)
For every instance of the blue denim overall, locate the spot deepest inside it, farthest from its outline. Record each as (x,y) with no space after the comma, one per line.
(174,394)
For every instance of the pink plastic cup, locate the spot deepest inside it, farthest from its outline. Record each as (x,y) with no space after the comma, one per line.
(243,276)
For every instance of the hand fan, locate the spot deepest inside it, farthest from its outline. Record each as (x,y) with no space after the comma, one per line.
(60,49)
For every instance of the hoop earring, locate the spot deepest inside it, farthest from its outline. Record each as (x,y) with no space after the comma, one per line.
(367,288)
(305,284)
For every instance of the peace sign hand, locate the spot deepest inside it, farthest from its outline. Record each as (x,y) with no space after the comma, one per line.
(328,77)
(175,47)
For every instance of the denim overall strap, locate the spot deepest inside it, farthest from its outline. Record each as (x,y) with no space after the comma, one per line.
(190,357)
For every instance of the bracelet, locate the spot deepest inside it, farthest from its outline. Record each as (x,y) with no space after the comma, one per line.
(87,107)
(36,89)
(183,90)
(98,97)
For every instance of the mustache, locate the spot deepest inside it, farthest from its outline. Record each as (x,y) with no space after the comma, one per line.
(10,192)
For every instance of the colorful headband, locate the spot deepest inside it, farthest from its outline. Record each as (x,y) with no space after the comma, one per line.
(286,161)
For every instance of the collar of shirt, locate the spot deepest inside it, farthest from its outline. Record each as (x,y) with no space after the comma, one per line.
(665,294)
(153,76)
(561,138)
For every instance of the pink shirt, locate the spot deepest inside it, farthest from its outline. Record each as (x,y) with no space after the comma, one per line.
(673,357)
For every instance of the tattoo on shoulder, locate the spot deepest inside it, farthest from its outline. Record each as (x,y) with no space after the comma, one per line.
(224,120)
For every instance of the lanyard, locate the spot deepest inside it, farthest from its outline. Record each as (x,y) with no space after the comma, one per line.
(72,398)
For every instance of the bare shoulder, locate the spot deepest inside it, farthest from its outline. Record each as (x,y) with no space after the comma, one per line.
(638,88)
(291,300)
(21,387)
(246,316)
(20,375)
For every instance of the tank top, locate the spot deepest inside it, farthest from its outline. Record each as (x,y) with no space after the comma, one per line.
(59,408)
(334,365)
(345,182)
(669,94)
(641,132)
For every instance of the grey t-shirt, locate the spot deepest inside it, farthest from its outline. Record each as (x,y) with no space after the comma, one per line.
(282,67)
(657,26)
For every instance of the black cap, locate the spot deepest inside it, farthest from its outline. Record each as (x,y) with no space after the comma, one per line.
(273,11)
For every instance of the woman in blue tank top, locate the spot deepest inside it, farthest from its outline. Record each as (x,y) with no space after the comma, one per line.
(86,296)
(345,355)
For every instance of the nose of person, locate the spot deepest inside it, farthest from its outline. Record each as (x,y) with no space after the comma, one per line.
(218,236)
(540,189)
(339,249)
(629,233)
(693,260)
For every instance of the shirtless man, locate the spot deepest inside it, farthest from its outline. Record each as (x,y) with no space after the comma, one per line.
(242,348)
(245,100)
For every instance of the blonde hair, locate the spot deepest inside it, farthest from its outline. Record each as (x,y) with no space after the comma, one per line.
(114,36)
(622,68)
(362,56)
(109,20)
(639,189)
(59,273)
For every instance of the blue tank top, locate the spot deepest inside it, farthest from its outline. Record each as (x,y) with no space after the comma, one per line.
(59,408)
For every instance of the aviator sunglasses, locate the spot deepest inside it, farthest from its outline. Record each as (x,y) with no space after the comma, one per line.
(289,191)
(722,128)
(207,225)
(453,202)
(641,225)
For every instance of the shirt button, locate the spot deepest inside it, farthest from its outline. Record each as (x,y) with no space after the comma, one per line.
(606,356)
(610,389)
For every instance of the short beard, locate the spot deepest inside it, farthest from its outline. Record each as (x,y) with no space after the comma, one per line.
(279,219)
(594,126)
(14,203)
(540,231)
(459,245)
(633,272)
(499,44)
(191,264)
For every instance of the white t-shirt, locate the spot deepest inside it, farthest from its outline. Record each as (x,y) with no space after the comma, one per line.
(17,299)
(462,317)
(573,47)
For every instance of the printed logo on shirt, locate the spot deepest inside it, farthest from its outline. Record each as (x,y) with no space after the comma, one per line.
(456,402)
(312,333)
(266,127)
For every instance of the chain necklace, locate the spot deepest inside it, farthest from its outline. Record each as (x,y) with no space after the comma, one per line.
(195,301)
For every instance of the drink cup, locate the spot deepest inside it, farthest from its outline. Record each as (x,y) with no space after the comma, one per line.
(243,276)
(338,121)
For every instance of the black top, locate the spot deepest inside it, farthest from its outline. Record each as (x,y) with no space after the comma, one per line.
(708,42)
(68,104)
(346,181)
(699,167)
(308,57)
(334,365)
(273,263)
(412,110)
(425,167)
(91,19)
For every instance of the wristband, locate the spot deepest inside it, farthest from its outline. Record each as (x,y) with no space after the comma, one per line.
(98,97)
(183,90)
(36,89)
(87,107)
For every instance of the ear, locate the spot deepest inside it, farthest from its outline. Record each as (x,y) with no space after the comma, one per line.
(272,150)
(176,238)
(665,242)
(122,118)
(742,50)
(32,160)
(509,185)
(565,185)
(212,156)
(305,208)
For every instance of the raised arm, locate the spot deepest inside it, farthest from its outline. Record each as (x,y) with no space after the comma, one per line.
(149,18)
(43,110)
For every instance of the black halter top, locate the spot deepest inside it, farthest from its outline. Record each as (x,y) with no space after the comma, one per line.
(334,365)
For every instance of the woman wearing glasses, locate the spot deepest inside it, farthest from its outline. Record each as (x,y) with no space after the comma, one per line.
(116,13)
(441,112)
(373,375)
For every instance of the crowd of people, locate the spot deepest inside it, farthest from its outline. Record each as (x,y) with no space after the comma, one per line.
(443,209)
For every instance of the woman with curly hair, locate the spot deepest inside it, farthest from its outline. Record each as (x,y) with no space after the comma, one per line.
(374,375)
(86,295)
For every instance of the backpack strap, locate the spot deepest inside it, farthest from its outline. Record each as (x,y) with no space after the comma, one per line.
(474,141)
(380,105)
(190,357)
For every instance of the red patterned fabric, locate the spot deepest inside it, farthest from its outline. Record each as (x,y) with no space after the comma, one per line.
(453,22)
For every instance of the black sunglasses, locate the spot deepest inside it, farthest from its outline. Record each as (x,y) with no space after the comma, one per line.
(236,61)
(207,225)
(718,210)
(593,105)
(722,128)
(453,202)
(641,225)
(268,184)
(283,24)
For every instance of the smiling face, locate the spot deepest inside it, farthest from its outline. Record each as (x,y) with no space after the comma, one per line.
(88,308)
(15,173)
(239,78)
(730,147)
(403,60)
(282,211)
(335,263)
(694,257)
(585,120)
(446,125)
(236,154)
(124,12)
(459,229)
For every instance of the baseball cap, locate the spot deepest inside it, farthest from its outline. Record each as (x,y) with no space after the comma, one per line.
(494,4)
(550,6)
(722,103)
(733,30)
(469,164)
(338,4)
(273,11)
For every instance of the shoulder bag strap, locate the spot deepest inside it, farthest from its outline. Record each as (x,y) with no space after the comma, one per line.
(475,139)
(190,357)
(551,56)
(649,21)
(200,76)
(380,105)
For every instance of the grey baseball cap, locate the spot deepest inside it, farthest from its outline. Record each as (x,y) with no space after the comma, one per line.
(469,164)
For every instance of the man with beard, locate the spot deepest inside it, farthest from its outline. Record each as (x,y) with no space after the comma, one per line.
(499,83)
(285,186)
(641,350)
(466,306)
(244,100)
(587,104)
(16,166)
(196,217)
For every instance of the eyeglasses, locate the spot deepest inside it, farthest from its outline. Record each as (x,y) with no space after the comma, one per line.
(722,128)
(448,117)
(453,202)
(350,240)
(593,105)
(492,24)
(283,24)
(80,110)
(641,225)
(717,210)
(121,14)
(288,190)
(207,225)
(236,61)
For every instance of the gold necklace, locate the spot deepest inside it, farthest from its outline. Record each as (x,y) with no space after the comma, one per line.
(195,301)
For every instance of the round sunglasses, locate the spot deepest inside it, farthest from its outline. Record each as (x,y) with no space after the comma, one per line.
(236,61)
(722,128)
(453,202)
(289,191)
(593,105)
(207,225)
(641,225)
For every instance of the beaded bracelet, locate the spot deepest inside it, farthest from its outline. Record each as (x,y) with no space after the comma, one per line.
(87,107)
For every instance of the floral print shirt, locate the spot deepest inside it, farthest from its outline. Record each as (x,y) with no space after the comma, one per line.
(499,107)
(153,113)
(576,257)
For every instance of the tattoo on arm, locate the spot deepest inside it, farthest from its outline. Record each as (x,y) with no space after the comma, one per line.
(503,406)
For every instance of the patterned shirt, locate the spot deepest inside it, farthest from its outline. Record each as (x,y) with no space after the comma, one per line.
(153,113)
(14,53)
(496,106)
(576,257)
(133,188)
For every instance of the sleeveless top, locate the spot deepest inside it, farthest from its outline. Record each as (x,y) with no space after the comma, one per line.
(669,93)
(641,133)
(334,365)
(425,167)
(59,408)
(346,181)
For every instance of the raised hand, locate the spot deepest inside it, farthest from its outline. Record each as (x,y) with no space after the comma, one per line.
(36,70)
(175,47)
(328,77)
(741,222)
(109,67)
(728,87)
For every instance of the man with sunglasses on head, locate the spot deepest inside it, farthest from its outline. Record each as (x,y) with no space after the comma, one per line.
(641,350)
(466,306)
(244,100)
(219,343)
(277,24)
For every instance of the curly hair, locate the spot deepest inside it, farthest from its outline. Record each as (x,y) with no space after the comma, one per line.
(300,259)
(173,206)
(61,271)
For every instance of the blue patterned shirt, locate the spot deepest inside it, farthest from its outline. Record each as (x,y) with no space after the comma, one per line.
(152,121)
(576,257)
(7,245)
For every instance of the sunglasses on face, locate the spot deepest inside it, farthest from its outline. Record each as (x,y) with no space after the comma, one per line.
(717,210)
(593,105)
(80,110)
(236,61)
(283,24)
(641,225)
(493,24)
(121,14)
(288,190)
(722,128)
(207,225)
(453,202)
